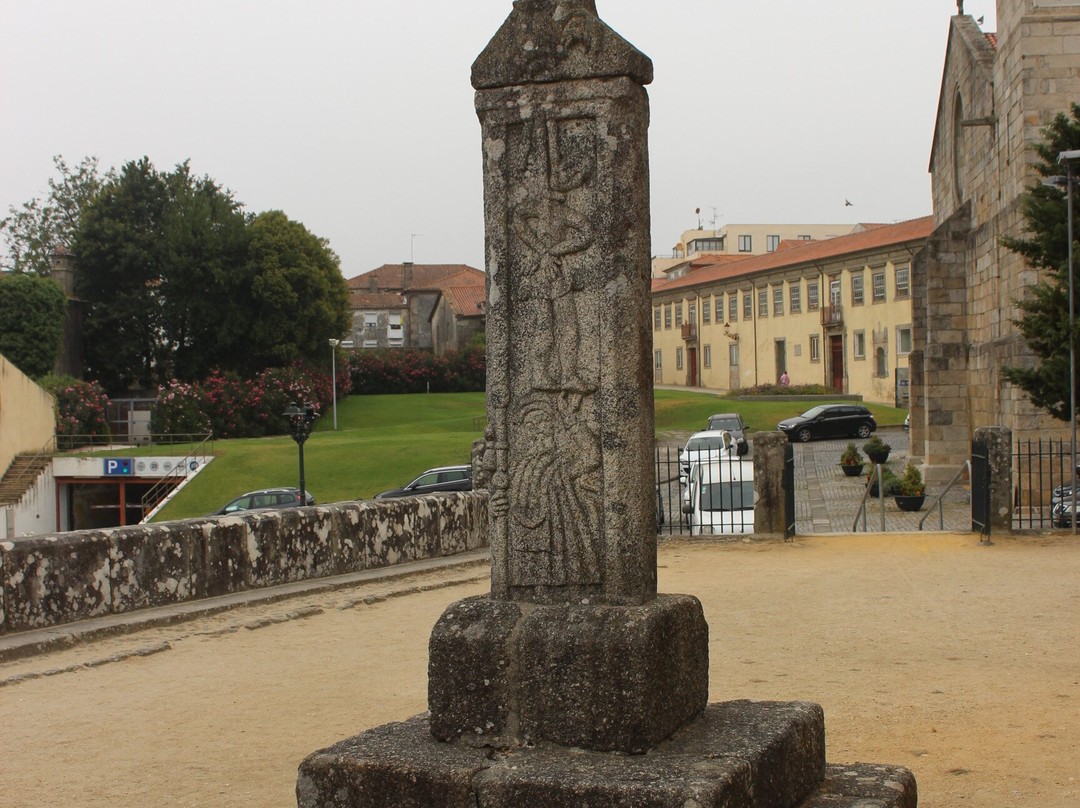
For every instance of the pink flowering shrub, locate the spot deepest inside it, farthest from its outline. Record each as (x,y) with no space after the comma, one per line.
(80,406)
(397,370)
(241,408)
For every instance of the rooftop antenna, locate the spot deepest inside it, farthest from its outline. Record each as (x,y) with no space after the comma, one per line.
(715,218)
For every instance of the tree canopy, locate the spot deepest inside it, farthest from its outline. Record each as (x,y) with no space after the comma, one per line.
(179,281)
(1044,318)
(34,231)
(31,322)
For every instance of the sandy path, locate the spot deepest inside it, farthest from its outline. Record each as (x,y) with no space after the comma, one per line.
(958,661)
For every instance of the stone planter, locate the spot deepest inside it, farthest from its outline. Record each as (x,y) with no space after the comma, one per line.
(910,503)
(878,458)
(852,469)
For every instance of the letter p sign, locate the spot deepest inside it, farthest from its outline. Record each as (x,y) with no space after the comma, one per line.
(118,466)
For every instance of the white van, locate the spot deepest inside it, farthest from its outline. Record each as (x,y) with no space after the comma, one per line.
(720,497)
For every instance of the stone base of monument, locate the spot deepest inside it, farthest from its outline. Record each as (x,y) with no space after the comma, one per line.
(608,678)
(735,754)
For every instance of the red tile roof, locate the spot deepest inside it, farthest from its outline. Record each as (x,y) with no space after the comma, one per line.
(375,300)
(807,252)
(466,301)
(424,276)
(992,39)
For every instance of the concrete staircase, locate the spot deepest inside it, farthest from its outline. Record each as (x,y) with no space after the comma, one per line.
(20,475)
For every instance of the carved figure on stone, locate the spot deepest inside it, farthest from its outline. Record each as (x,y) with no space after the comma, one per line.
(560,156)
(556,492)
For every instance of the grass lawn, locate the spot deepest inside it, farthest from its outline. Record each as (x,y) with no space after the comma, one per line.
(385,441)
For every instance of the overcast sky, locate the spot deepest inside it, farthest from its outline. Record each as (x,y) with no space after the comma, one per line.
(356,117)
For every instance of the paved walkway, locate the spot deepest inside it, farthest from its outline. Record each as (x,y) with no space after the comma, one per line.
(827,502)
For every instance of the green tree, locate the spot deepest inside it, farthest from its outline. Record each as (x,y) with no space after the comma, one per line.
(36,230)
(119,257)
(1044,319)
(32,312)
(294,295)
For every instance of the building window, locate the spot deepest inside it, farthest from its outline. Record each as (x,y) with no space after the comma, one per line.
(763,303)
(656,318)
(678,314)
(678,359)
(796,298)
(903,281)
(879,363)
(703,244)
(371,321)
(859,343)
(706,356)
(805,238)
(745,244)
(691,313)
(903,340)
(856,290)
(733,308)
(778,301)
(733,354)
(719,308)
(813,301)
(706,312)
(659,360)
(772,243)
(879,286)
(815,347)
(747,307)
(667,316)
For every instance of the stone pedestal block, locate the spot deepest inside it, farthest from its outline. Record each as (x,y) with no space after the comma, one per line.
(736,754)
(609,678)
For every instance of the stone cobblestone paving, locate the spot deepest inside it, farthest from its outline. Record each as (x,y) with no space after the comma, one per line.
(827,502)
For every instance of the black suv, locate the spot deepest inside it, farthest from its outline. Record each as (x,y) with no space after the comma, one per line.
(731,422)
(434,481)
(830,421)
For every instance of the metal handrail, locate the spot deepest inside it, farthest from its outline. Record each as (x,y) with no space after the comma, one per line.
(865,496)
(27,474)
(159,490)
(937,502)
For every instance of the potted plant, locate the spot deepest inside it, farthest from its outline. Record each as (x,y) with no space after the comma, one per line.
(889,480)
(911,493)
(851,461)
(877,450)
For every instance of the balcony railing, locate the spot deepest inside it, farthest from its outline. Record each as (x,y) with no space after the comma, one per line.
(689,331)
(833,314)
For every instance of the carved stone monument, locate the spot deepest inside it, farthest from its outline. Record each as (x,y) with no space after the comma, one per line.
(573,682)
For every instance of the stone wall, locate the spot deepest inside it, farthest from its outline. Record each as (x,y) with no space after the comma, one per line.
(26,414)
(50,580)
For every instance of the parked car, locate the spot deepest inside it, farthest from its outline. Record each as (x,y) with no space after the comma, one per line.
(1062,513)
(907,422)
(733,423)
(264,499)
(720,498)
(434,481)
(830,421)
(703,447)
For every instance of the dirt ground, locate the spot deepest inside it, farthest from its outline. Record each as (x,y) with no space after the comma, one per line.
(958,661)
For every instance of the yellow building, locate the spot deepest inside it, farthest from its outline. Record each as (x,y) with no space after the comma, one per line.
(834,312)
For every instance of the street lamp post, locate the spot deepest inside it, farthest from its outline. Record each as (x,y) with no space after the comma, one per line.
(334,343)
(1068,158)
(300,420)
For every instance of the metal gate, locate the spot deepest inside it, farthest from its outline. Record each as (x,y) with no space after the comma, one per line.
(789,491)
(980,487)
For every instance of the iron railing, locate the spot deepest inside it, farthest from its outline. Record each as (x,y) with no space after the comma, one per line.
(1042,469)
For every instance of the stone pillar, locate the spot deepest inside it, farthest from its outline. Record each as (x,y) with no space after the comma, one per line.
(569,373)
(999,445)
(573,655)
(769,516)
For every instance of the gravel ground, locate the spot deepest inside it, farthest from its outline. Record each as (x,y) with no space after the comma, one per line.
(926,650)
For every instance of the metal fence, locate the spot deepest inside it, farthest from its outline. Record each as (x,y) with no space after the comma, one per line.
(1042,477)
(723,505)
